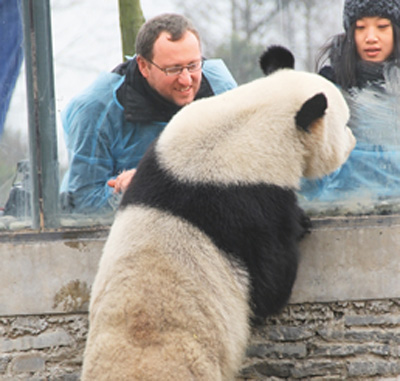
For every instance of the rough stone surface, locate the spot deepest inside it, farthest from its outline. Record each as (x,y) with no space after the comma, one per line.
(42,347)
(310,341)
(328,341)
(30,363)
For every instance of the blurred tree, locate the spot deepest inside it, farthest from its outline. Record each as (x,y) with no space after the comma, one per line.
(239,30)
(310,23)
(240,57)
(247,24)
(130,20)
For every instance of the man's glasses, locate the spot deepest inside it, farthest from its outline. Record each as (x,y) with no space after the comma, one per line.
(176,70)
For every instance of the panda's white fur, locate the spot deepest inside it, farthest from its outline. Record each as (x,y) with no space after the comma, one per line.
(163,314)
(257,120)
(206,236)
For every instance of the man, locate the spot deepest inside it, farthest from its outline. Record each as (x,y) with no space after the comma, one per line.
(109,127)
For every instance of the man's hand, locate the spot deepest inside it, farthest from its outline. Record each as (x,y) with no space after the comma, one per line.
(121,182)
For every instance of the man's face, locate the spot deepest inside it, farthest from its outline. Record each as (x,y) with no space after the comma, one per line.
(180,89)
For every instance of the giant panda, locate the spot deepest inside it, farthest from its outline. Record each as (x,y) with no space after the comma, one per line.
(206,237)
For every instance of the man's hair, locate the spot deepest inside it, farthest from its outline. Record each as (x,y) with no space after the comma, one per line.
(174,24)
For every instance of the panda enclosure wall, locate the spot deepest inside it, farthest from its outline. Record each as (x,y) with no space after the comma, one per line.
(343,320)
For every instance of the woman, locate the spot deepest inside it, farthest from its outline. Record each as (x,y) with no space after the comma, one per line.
(364,63)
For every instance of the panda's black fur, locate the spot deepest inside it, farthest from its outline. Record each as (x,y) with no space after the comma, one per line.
(276,58)
(259,225)
(255,224)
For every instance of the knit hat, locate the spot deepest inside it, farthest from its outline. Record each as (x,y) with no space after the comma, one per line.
(356,9)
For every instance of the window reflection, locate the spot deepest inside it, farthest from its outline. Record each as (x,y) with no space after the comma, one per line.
(82,53)
(14,195)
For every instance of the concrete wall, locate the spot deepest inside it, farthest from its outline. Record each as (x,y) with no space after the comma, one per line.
(343,320)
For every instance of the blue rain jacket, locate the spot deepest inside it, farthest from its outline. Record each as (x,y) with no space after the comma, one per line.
(370,177)
(101,143)
(11,52)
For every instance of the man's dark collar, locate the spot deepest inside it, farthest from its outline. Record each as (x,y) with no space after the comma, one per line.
(141,102)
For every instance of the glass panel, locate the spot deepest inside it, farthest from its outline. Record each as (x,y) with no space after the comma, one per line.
(14,159)
(364,63)
(242,59)
(86,44)
(82,53)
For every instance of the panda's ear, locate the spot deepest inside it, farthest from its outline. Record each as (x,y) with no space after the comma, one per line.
(275,58)
(311,110)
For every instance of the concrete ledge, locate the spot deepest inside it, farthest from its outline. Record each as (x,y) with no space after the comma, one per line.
(350,259)
(48,274)
(342,259)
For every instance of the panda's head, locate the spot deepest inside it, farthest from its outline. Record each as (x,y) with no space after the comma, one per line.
(274,130)
(320,116)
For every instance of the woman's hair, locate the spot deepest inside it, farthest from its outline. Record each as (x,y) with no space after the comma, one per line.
(341,52)
(354,10)
(174,24)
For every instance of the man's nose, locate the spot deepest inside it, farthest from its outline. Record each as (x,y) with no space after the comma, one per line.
(185,76)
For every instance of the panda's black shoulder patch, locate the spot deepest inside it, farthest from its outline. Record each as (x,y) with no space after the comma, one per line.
(275,58)
(258,225)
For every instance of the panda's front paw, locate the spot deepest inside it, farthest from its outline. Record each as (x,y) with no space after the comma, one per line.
(306,225)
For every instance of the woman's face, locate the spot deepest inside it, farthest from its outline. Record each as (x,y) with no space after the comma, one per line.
(374,38)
